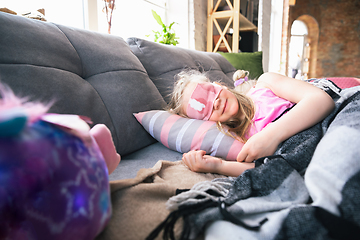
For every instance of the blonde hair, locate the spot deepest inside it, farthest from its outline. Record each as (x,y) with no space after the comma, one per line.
(237,125)
(182,80)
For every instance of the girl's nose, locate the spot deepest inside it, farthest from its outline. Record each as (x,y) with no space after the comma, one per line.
(216,104)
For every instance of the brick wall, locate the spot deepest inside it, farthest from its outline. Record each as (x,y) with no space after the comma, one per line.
(338,48)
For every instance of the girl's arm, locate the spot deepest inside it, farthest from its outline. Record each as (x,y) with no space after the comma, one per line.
(197,161)
(312,106)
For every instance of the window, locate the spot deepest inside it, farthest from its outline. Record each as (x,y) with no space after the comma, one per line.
(132,18)
(65,12)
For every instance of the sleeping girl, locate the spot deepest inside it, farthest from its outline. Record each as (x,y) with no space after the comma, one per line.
(253,111)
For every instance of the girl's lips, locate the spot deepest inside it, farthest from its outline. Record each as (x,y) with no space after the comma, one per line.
(224,108)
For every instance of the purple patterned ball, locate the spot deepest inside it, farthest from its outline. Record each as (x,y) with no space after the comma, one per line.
(52,186)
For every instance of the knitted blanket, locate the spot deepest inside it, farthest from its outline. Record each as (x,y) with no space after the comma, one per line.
(310,188)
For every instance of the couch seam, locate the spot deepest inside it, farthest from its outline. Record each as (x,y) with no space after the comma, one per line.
(82,65)
(138,45)
(107,110)
(219,70)
(65,70)
(130,69)
(82,76)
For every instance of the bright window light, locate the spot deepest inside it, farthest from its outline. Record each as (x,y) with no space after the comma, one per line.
(132,18)
(64,12)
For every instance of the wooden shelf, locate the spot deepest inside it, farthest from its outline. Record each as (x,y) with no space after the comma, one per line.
(228,18)
(244,23)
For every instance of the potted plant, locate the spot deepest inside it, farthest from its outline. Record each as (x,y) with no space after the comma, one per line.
(167,35)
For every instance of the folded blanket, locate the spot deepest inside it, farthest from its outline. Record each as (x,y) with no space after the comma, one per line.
(308,190)
(138,204)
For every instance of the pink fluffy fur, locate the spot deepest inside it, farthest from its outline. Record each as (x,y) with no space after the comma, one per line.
(9,101)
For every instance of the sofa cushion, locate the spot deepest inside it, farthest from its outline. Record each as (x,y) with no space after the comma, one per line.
(83,72)
(132,163)
(249,61)
(163,62)
(185,134)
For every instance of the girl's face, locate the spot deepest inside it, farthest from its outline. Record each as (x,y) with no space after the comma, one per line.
(224,105)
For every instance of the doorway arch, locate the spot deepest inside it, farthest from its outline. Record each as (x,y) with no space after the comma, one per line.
(313,40)
(298,51)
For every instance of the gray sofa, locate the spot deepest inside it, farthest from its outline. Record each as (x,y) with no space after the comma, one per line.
(100,76)
(108,79)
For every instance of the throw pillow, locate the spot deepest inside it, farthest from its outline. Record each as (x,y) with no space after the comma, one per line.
(345,82)
(185,134)
(251,62)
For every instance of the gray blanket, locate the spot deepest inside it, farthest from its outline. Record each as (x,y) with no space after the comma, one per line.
(310,188)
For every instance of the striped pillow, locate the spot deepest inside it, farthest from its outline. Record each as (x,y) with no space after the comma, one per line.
(184,134)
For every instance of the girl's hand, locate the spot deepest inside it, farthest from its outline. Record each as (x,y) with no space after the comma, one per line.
(197,161)
(259,145)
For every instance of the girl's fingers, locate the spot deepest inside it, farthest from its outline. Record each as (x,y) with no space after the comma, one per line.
(241,156)
(193,158)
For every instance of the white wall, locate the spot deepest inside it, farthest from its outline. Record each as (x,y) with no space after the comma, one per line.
(264,31)
(91,15)
(275,35)
(181,12)
(191,19)
(200,23)
(270,33)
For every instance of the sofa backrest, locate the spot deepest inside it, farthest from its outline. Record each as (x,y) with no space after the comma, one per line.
(83,72)
(163,62)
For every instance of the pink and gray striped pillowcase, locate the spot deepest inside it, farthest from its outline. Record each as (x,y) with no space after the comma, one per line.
(184,134)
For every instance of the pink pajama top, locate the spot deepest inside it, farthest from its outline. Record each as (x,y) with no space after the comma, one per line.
(268,107)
